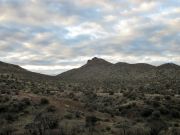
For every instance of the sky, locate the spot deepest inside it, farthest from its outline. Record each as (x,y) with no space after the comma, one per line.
(53,36)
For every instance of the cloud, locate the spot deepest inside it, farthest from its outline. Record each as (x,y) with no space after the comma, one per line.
(52,36)
(93,30)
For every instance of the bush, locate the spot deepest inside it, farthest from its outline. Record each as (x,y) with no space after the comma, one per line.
(91,121)
(108,128)
(167,97)
(42,123)
(156,115)
(7,130)
(15,106)
(10,117)
(48,121)
(157,98)
(163,110)
(146,112)
(4,99)
(77,114)
(68,116)
(44,101)
(111,93)
(155,104)
(3,108)
(26,101)
(51,108)
(157,126)
(175,113)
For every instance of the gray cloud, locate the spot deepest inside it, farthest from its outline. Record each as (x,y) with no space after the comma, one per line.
(51,36)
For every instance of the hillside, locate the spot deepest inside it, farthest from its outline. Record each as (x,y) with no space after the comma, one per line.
(118,99)
(100,70)
(21,73)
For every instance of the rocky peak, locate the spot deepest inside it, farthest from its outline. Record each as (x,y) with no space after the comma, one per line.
(98,61)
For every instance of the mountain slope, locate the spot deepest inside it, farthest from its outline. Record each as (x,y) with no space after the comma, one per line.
(100,70)
(94,69)
(21,73)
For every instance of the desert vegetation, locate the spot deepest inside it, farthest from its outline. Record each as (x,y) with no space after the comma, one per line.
(59,107)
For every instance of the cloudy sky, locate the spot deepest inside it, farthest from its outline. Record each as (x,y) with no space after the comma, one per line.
(52,36)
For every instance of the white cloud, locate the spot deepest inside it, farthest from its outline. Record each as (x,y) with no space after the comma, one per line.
(91,29)
(56,35)
(110,18)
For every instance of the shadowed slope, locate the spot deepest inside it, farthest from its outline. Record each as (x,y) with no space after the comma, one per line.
(21,73)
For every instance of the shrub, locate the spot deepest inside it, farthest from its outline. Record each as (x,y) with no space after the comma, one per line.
(77,114)
(167,97)
(3,108)
(146,112)
(108,128)
(156,115)
(68,116)
(163,110)
(4,99)
(26,101)
(16,106)
(175,113)
(157,98)
(111,93)
(51,108)
(44,101)
(91,121)
(10,117)
(156,104)
(157,126)
(7,130)
(42,123)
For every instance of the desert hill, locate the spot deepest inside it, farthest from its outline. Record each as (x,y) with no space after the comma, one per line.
(100,70)
(21,73)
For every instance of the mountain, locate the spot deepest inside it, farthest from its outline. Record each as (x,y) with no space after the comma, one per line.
(101,70)
(94,69)
(21,73)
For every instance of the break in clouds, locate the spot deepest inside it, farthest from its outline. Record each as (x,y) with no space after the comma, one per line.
(52,36)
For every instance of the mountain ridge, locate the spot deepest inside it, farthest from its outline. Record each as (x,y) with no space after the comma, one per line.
(98,69)
(21,73)
(94,62)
